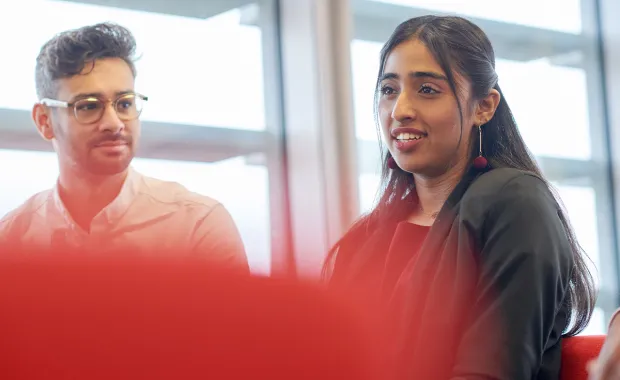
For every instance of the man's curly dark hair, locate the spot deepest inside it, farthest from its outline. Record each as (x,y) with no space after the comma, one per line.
(68,53)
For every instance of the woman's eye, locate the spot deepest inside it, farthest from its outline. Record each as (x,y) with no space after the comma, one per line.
(428,90)
(387,90)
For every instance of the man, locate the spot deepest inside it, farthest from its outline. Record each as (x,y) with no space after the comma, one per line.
(607,365)
(89,110)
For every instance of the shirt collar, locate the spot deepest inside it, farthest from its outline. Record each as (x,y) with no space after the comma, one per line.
(116,209)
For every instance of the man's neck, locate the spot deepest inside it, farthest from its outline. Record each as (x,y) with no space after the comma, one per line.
(85,195)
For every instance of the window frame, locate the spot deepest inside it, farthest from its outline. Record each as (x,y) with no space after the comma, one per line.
(609,49)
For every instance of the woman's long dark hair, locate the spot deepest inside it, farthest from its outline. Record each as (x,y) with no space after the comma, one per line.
(460,46)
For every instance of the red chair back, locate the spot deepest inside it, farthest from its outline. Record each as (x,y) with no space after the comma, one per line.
(576,353)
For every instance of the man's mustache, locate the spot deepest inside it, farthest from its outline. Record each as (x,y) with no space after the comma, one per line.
(113,138)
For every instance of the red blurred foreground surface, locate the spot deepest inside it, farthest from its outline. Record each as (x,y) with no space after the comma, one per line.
(70,318)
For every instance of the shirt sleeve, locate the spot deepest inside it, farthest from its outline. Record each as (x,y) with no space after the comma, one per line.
(613,319)
(217,237)
(525,267)
(8,234)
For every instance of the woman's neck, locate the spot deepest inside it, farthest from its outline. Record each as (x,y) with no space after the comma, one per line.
(433,192)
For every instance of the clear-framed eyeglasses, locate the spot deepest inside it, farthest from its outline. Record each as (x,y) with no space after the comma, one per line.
(90,110)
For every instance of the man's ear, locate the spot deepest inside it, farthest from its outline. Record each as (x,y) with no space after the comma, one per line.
(487,106)
(41,117)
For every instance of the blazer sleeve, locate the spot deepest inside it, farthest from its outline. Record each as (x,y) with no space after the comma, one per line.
(525,267)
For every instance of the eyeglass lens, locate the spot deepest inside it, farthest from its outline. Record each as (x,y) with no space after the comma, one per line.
(90,110)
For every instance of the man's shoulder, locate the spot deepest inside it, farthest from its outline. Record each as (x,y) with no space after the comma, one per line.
(28,208)
(21,217)
(174,193)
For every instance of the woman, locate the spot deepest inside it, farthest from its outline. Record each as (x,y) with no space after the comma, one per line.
(467,250)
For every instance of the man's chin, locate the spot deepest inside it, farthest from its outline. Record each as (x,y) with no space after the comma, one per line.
(109,168)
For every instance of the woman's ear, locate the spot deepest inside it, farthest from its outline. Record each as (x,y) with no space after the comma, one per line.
(40,115)
(487,106)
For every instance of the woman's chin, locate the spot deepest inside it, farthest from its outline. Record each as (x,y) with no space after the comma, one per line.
(411,167)
(416,167)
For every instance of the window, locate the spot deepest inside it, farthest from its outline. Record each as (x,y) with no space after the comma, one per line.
(211,123)
(545,68)
(580,205)
(198,71)
(512,12)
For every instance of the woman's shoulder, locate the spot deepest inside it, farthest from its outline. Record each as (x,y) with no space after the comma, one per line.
(506,188)
(500,179)
(507,181)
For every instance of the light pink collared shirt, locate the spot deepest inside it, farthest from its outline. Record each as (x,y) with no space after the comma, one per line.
(148,215)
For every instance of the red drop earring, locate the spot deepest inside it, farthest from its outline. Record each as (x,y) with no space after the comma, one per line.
(480,162)
(392,163)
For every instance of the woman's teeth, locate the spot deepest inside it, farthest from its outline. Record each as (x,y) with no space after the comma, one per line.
(408,136)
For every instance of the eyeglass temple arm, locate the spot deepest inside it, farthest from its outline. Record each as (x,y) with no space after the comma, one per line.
(59,103)
(54,103)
